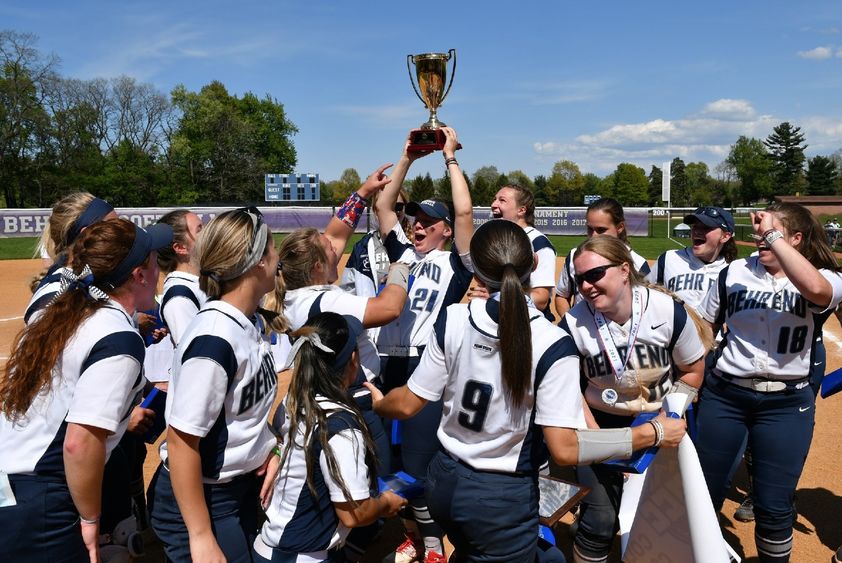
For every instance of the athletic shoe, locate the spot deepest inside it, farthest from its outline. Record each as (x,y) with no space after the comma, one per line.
(433,557)
(745,512)
(838,557)
(407,552)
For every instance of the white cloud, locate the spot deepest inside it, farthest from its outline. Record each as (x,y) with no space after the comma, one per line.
(818,53)
(839,53)
(706,136)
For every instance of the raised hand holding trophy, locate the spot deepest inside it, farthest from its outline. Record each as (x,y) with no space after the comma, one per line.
(431,70)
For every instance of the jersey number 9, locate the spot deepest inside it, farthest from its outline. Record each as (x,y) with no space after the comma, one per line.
(475,401)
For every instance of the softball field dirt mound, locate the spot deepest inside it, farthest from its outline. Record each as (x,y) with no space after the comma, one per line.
(818,531)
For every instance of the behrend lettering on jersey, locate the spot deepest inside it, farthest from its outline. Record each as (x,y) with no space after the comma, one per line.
(427,270)
(262,384)
(784,301)
(646,356)
(690,282)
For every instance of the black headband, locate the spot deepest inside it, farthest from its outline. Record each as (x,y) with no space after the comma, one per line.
(94,212)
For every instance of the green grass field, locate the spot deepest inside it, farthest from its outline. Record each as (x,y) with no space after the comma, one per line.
(649,247)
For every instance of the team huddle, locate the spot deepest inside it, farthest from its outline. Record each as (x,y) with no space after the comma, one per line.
(393,369)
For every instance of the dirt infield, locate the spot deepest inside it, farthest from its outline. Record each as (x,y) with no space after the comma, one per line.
(818,531)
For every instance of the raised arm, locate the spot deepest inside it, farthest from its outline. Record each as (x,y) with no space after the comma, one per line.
(385,208)
(342,225)
(803,275)
(463,211)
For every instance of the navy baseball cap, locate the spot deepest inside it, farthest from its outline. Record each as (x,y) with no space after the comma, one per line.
(435,209)
(714,217)
(155,237)
(355,329)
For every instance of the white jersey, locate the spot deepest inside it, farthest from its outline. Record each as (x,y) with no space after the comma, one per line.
(566,286)
(461,365)
(365,270)
(437,279)
(96,381)
(771,326)
(222,387)
(46,291)
(684,274)
(544,273)
(300,305)
(666,336)
(300,522)
(180,302)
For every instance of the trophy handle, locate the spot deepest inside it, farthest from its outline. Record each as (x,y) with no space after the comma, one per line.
(451,54)
(410,58)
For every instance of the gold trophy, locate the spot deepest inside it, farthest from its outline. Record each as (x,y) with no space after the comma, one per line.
(431,70)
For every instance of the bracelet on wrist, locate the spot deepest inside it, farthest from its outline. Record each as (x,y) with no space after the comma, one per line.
(771,236)
(451,160)
(277,451)
(659,432)
(89,522)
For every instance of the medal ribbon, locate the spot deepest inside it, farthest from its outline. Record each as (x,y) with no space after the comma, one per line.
(618,365)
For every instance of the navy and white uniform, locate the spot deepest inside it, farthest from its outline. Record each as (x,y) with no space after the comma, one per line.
(544,273)
(666,336)
(97,381)
(437,280)
(365,270)
(489,447)
(302,526)
(222,387)
(684,274)
(180,302)
(759,389)
(567,287)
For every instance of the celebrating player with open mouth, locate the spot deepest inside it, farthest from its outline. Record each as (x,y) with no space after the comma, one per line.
(760,385)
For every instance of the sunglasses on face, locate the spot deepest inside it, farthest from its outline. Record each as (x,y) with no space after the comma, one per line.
(399,207)
(593,275)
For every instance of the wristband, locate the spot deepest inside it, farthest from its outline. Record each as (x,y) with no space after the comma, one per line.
(771,236)
(352,210)
(451,160)
(93,522)
(277,451)
(659,432)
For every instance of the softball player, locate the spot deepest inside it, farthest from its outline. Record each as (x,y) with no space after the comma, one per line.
(689,272)
(182,297)
(636,344)
(482,486)
(70,216)
(760,386)
(603,217)
(67,391)
(328,465)
(221,389)
(438,279)
(516,203)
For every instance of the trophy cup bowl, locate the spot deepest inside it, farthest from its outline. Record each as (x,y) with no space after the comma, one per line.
(431,73)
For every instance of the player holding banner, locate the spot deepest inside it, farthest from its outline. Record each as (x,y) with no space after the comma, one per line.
(760,385)
(636,344)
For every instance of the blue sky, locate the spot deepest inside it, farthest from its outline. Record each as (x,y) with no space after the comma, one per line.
(598,83)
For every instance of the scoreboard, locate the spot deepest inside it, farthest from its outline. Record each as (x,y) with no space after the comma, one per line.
(292,187)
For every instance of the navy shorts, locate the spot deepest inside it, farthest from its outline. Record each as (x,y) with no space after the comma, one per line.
(487,516)
(43,526)
(233,509)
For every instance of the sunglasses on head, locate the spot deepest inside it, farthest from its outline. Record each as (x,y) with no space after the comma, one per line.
(708,211)
(594,274)
(399,207)
(256,220)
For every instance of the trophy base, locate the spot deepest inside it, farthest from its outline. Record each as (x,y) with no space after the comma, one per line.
(427,140)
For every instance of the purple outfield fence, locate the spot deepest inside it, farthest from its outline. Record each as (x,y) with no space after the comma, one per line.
(549,220)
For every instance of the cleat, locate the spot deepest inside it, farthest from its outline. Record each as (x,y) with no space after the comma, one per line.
(745,512)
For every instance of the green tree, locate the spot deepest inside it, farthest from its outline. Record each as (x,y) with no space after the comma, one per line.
(566,183)
(631,186)
(821,176)
(656,179)
(594,185)
(540,190)
(348,183)
(24,123)
(699,184)
(520,178)
(749,162)
(423,188)
(679,194)
(786,149)
(482,193)
(223,145)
